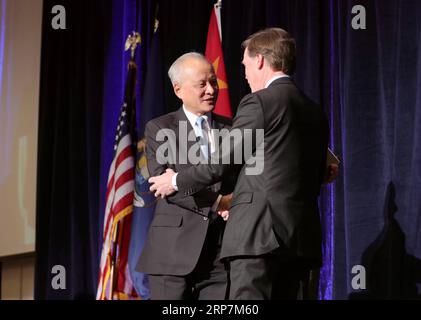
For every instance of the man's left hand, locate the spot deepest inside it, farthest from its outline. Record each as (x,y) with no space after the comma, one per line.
(224,214)
(162,185)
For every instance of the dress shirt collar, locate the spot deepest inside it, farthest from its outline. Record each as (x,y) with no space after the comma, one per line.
(275,78)
(192,117)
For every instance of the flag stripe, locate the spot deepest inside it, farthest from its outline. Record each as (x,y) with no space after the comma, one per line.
(124,203)
(124,190)
(126,165)
(128,175)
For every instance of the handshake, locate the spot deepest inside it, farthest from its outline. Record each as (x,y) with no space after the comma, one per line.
(162,185)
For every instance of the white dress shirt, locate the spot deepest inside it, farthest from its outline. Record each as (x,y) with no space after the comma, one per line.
(275,78)
(207,128)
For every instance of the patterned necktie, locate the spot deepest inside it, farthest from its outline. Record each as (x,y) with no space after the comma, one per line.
(202,133)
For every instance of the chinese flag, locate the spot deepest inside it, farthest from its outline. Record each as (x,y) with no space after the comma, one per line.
(215,56)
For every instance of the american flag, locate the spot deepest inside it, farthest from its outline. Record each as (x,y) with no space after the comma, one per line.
(114,278)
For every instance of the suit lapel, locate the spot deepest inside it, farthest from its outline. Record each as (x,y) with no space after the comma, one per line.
(183,142)
(219,123)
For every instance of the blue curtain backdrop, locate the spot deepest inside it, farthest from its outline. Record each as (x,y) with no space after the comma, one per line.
(69,135)
(367,81)
(375,105)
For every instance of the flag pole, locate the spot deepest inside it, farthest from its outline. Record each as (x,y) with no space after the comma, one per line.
(115,261)
(215,55)
(218,6)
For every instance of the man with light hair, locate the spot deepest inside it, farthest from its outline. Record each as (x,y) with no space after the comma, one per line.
(181,254)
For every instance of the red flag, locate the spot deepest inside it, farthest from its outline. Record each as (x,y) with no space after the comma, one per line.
(215,55)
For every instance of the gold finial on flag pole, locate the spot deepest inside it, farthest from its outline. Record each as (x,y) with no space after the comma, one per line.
(156,25)
(131,43)
(217,7)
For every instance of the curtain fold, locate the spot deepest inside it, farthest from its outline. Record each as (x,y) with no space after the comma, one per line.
(70,113)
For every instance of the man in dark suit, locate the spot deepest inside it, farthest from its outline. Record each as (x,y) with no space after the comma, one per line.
(181,254)
(273,234)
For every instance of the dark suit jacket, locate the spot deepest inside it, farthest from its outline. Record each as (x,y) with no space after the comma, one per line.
(278,209)
(178,229)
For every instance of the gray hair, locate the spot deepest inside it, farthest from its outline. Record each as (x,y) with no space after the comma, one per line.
(175,71)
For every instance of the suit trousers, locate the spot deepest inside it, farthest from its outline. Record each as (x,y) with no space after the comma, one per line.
(265,277)
(207,281)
